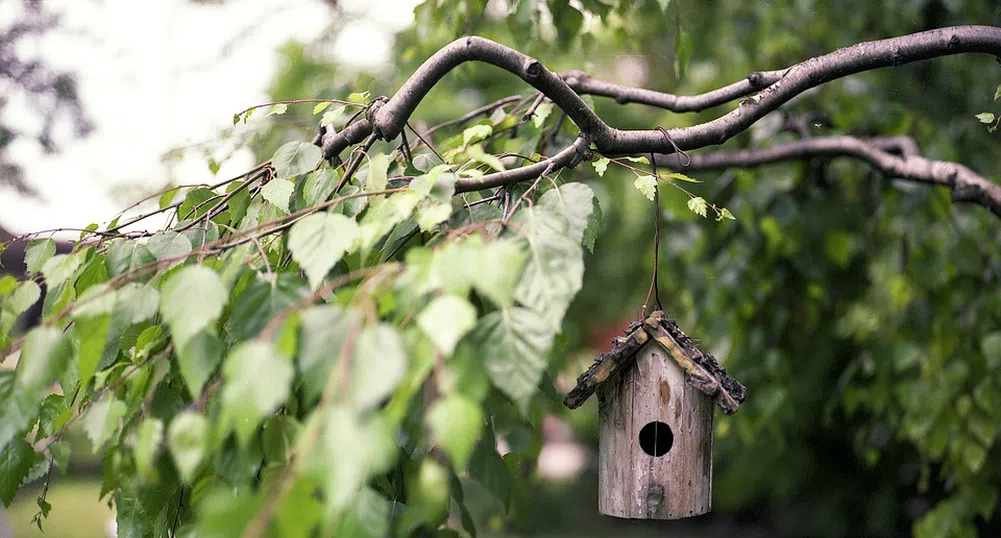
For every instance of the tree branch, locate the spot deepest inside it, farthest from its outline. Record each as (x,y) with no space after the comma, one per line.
(387,120)
(966,185)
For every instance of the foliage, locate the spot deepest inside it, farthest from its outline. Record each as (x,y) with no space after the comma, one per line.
(291,358)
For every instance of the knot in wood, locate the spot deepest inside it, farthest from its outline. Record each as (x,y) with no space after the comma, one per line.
(532,68)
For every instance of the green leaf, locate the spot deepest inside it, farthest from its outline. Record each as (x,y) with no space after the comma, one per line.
(514,345)
(555,269)
(430,215)
(37,253)
(257,381)
(354,449)
(600,166)
(646,185)
(295,158)
(125,255)
(167,197)
(16,461)
(378,168)
(593,226)
(279,193)
(145,510)
(476,133)
(317,187)
(25,295)
(195,203)
(455,423)
(724,214)
(320,107)
(997,93)
(90,336)
(319,241)
(278,109)
(380,219)
(985,117)
(7,284)
(101,421)
(198,360)
(542,112)
(368,517)
(324,330)
(488,468)
(61,267)
(682,177)
(191,300)
(264,299)
(697,205)
(446,320)
(991,348)
(378,365)
(149,435)
(499,271)
(168,245)
(18,408)
(330,116)
(188,440)
(663,5)
(575,201)
(44,356)
(359,97)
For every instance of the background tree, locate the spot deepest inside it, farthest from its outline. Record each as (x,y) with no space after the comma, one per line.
(859,306)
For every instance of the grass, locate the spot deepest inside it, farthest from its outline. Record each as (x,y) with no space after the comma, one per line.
(76,511)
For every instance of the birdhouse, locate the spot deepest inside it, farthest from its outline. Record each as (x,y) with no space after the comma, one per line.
(656,392)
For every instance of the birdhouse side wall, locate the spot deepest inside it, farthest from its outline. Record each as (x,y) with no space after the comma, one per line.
(634,484)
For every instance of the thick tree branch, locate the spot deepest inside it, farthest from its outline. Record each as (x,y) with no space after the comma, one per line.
(966,185)
(387,120)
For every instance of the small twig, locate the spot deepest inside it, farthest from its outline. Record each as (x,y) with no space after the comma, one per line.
(350,170)
(426,143)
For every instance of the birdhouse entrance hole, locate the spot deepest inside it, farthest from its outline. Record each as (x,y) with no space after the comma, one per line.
(656,438)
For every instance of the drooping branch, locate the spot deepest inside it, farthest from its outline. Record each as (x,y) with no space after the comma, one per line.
(387,119)
(893,156)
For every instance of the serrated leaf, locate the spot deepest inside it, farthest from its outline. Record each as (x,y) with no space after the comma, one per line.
(378,365)
(320,107)
(190,300)
(61,267)
(295,158)
(24,296)
(514,344)
(455,423)
(168,197)
(359,97)
(264,299)
(542,112)
(37,253)
(257,381)
(188,442)
(646,185)
(168,245)
(697,205)
(125,255)
(149,435)
(317,187)
(278,109)
(985,117)
(724,214)
(101,421)
(555,269)
(575,202)
(446,320)
(593,226)
(16,460)
(319,241)
(279,193)
(600,166)
(476,133)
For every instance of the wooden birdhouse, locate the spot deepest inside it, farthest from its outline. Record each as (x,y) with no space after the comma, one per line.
(656,392)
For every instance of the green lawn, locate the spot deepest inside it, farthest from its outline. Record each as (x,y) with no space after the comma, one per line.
(76,511)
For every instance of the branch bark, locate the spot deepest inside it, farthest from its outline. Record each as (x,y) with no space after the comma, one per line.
(387,120)
(966,185)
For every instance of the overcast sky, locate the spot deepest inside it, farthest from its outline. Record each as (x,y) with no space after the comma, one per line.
(155,75)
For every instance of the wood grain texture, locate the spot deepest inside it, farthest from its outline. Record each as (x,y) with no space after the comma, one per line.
(633,484)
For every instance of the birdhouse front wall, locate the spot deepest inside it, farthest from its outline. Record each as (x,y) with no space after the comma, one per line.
(655,443)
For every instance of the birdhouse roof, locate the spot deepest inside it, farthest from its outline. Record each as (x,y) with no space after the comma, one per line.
(702,370)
